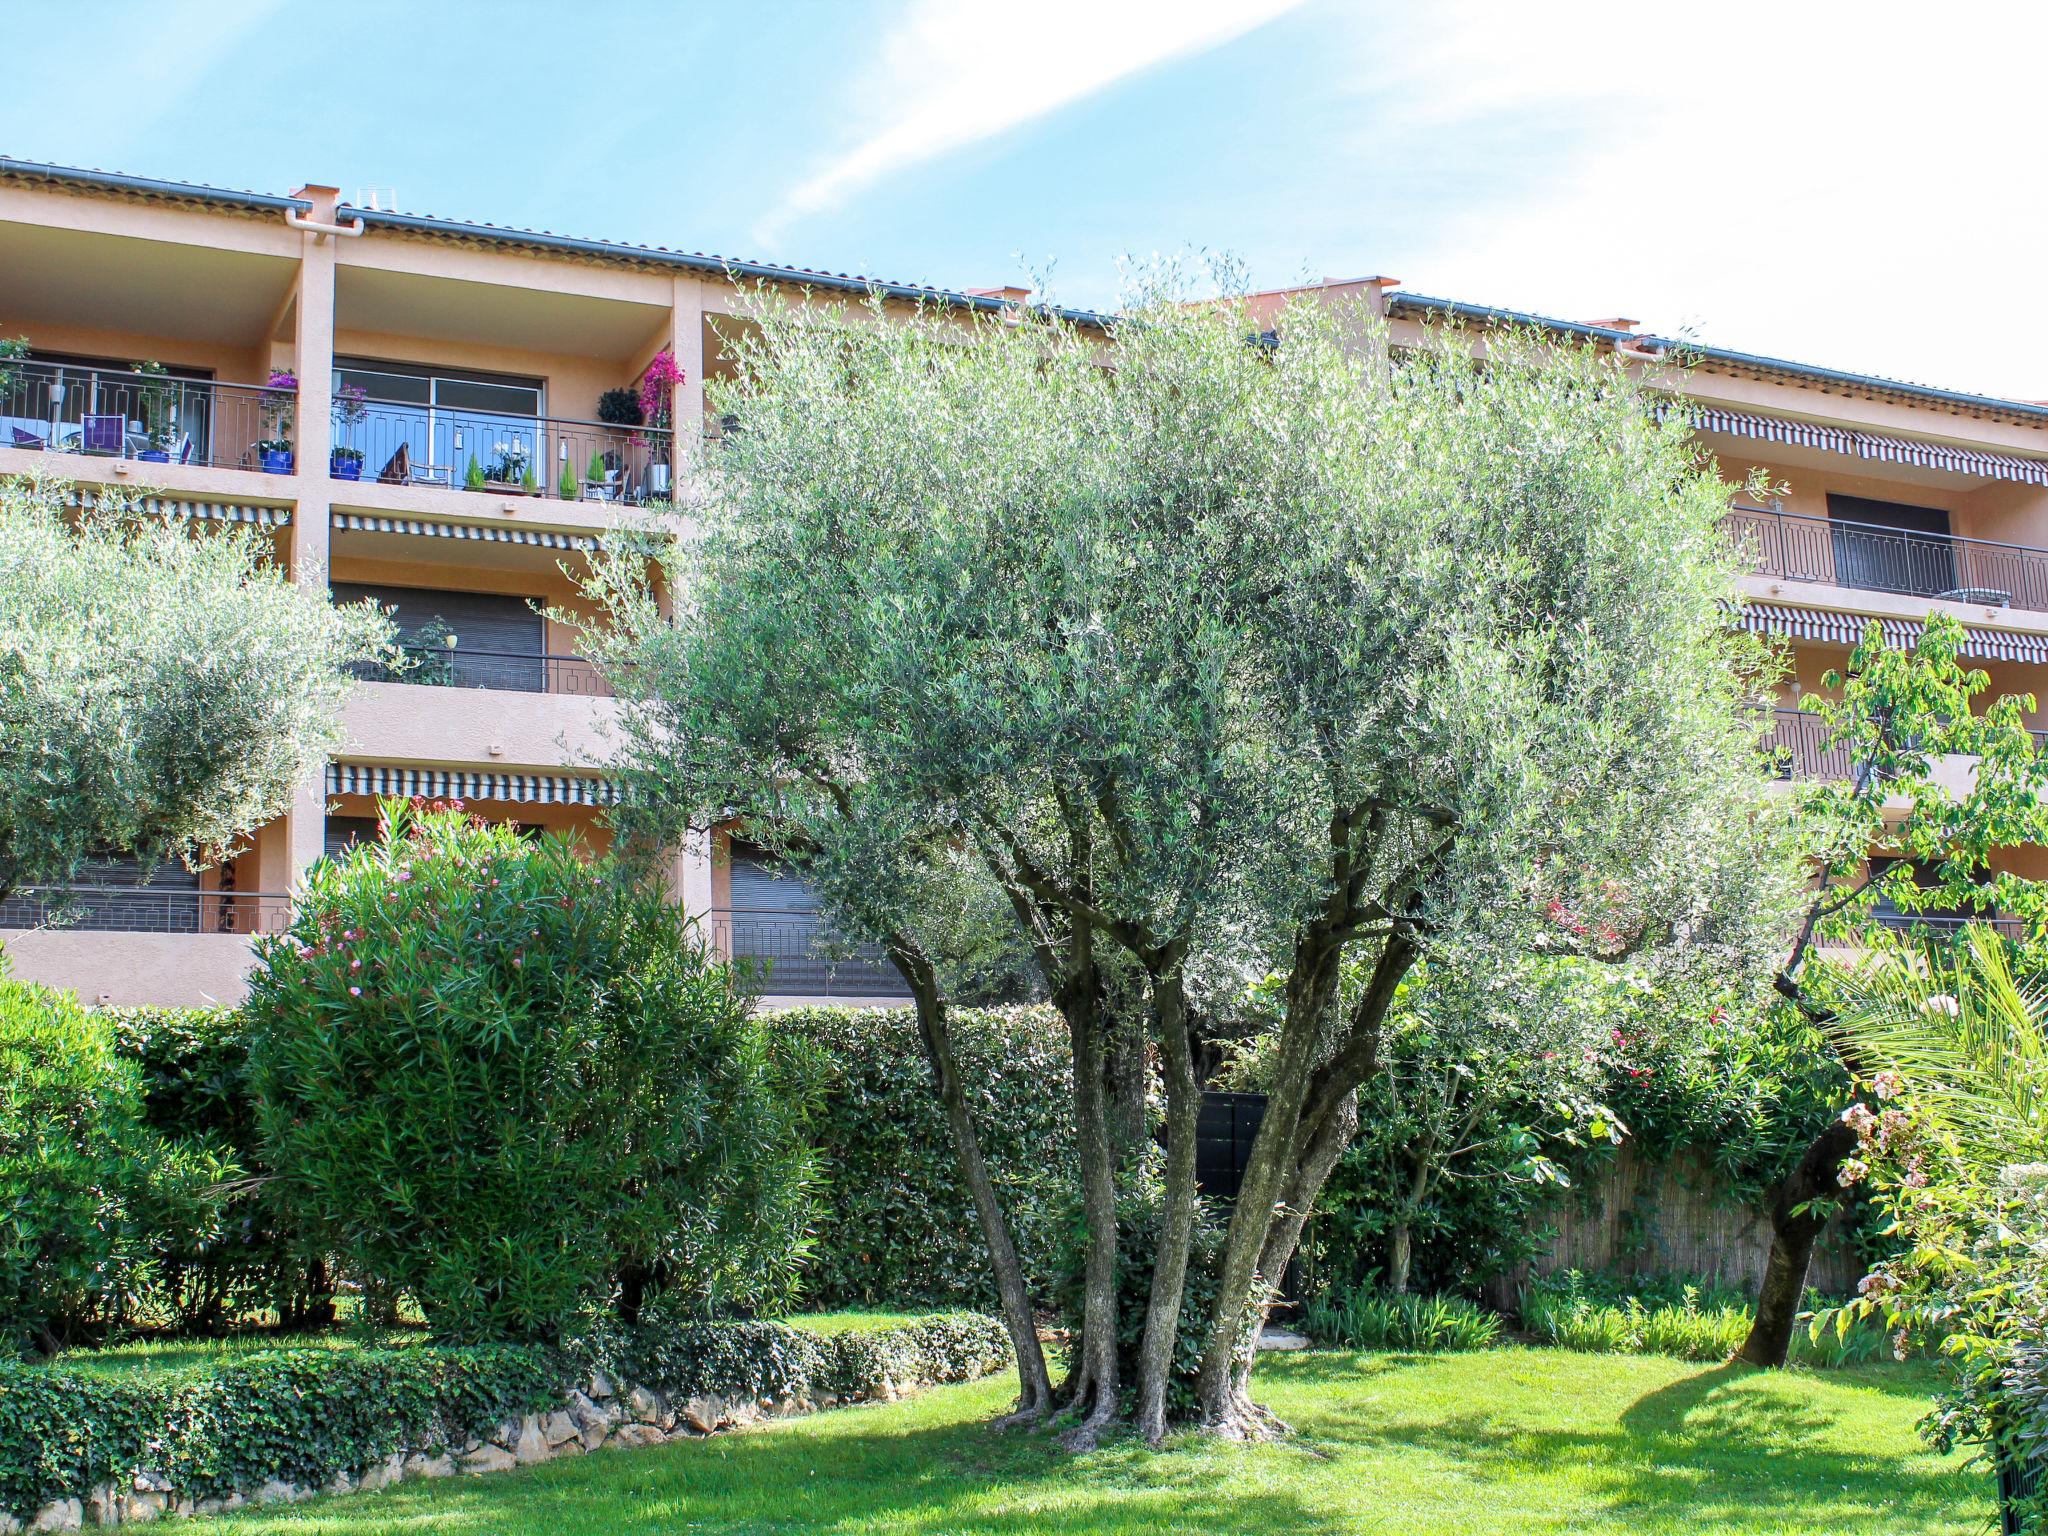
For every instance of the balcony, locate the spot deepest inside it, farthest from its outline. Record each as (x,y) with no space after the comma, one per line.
(793,954)
(109,413)
(1797,743)
(144,909)
(434,666)
(397,442)
(1875,559)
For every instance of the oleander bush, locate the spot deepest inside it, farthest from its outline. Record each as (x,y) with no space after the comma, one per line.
(895,1225)
(511,1082)
(1362,1318)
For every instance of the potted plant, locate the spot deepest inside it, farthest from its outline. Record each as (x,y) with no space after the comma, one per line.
(156,402)
(508,466)
(657,406)
(568,488)
(13,350)
(621,408)
(597,478)
(351,409)
(473,477)
(275,446)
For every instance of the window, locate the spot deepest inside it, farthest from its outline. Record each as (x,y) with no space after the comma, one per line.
(1891,546)
(500,641)
(444,419)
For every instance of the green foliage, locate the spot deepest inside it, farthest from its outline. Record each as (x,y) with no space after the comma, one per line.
(745,1361)
(196,1095)
(163,690)
(567,487)
(70,1112)
(895,1224)
(1360,1318)
(1667,1315)
(298,1416)
(473,477)
(597,470)
(501,1078)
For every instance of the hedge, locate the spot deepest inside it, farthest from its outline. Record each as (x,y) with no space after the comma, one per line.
(303,1417)
(897,1227)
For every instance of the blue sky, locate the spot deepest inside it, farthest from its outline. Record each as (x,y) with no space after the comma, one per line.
(1848,184)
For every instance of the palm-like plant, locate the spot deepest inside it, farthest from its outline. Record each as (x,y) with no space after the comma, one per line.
(1967,1040)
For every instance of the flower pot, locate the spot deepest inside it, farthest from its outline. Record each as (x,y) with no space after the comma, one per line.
(277,461)
(657,479)
(345,467)
(154,456)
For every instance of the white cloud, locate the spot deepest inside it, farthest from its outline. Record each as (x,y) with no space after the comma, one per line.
(1851,186)
(940,83)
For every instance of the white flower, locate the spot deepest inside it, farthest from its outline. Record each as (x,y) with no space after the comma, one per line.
(1942,1002)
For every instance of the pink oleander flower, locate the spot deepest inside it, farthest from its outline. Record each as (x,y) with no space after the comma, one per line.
(1854,1171)
(1886,1084)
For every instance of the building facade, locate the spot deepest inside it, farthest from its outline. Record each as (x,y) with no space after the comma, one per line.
(426,412)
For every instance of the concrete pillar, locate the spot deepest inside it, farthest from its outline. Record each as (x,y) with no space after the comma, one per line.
(687,341)
(306,823)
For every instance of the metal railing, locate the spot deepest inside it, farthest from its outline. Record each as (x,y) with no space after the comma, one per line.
(1797,742)
(794,954)
(108,413)
(145,909)
(1948,925)
(408,444)
(1876,559)
(436,666)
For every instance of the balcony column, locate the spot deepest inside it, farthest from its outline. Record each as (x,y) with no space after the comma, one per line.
(686,340)
(313,361)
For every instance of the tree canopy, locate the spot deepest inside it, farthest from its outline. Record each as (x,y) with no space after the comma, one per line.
(1221,661)
(163,691)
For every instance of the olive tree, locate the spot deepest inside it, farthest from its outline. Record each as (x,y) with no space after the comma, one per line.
(162,690)
(1220,660)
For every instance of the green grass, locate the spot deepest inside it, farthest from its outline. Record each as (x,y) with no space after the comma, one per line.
(1521,1440)
(185,1354)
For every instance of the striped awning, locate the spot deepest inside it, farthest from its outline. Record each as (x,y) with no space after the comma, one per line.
(208,511)
(487,533)
(1871,445)
(1827,626)
(387,779)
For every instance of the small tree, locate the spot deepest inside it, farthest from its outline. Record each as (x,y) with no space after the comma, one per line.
(162,692)
(1218,661)
(496,1077)
(1898,827)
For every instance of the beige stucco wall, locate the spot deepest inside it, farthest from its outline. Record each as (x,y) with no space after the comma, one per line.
(186,970)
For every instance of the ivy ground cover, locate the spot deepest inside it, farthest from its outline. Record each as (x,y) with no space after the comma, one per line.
(1524,1440)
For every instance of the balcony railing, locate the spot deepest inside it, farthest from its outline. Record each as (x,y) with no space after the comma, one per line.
(1876,559)
(116,414)
(1947,925)
(404,444)
(1797,742)
(145,909)
(793,954)
(436,666)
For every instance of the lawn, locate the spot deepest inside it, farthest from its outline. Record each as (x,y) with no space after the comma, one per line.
(1522,1440)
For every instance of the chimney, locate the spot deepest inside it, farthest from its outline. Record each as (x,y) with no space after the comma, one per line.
(1009,294)
(1616,325)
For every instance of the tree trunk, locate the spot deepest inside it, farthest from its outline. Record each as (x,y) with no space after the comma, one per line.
(1793,1232)
(1399,1256)
(1177,1217)
(1093,1389)
(1035,1397)
(1401,1237)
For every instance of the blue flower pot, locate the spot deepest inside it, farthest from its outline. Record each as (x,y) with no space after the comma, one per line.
(154,456)
(340,468)
(277,461)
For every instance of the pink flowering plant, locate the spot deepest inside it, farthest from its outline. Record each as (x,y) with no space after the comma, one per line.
(509,1080)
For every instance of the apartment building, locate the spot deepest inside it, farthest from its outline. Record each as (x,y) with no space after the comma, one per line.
(426,412)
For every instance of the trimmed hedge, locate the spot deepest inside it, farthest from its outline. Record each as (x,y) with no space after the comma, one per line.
(296,1416)
(896,1227)
(301,1417)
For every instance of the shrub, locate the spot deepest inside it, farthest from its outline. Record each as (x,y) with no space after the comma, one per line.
(298,1416)
(511,1083)
(896,1227)
(1667,1315)
(196,1095)
(1362,1318)
(82,1180)
(621,408)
